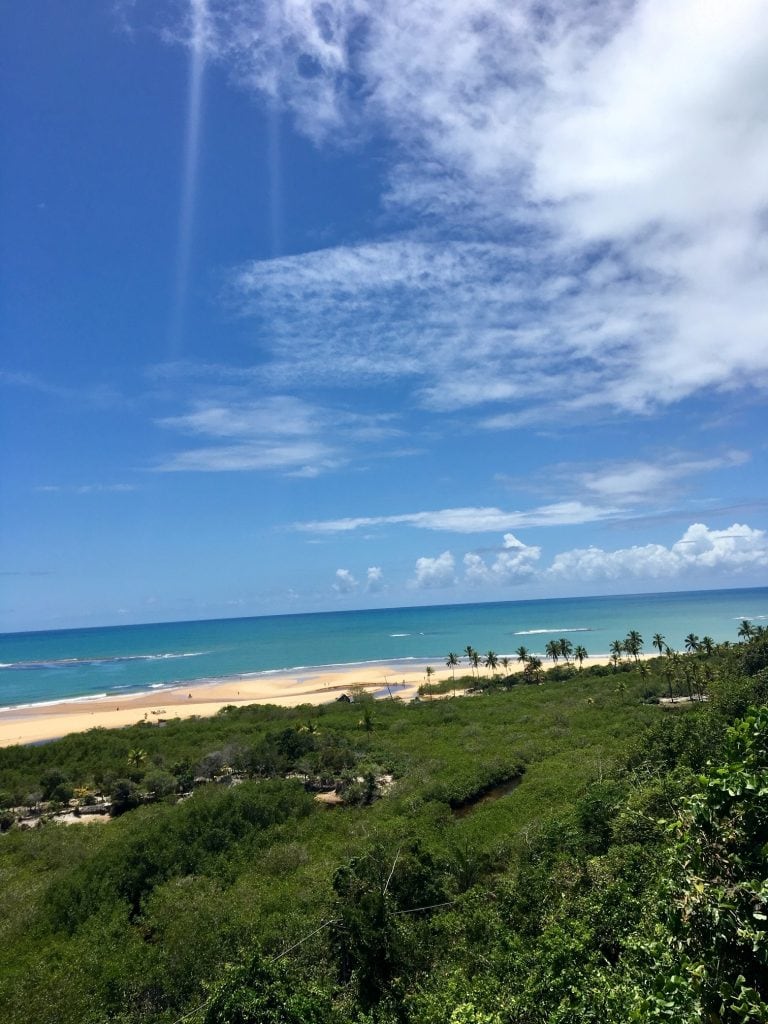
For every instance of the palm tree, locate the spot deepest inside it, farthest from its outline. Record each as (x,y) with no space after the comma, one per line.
(452,661)
(566,649)
(470,652)
(523,654)
(533,669)
(552,650)
(429,672)
(746,630)
(491,661)
(616,649)
(707,645)
(505,664)
(692,643)
(475,661)
(633,644)
(580,653)
(136,757)
(658,642)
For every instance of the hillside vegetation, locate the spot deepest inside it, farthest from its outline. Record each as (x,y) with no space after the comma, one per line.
(561,847)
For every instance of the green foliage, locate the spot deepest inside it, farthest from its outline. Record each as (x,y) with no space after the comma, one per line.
(713,902)
(621,880)
(162,842)
(379,901)
(265,992)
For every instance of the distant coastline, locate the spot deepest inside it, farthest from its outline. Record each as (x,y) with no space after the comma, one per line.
(36,723)
(123,663)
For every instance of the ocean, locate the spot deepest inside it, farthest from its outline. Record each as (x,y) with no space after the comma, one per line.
(41,667)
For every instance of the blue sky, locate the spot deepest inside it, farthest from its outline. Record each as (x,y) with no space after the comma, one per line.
(328,305)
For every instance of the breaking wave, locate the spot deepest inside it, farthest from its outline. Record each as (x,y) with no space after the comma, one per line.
(85,662)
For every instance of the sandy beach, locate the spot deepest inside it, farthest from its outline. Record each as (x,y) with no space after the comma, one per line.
(206,697)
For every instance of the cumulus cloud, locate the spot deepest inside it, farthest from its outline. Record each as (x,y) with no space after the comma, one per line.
(434,572)
(345,582)
(735,549)
(515,563)
(374,579)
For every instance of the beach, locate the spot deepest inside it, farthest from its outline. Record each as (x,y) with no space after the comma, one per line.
(37,723)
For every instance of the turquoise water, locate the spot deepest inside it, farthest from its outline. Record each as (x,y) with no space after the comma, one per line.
(49,666)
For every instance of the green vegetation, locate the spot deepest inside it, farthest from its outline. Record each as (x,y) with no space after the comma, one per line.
(591,849)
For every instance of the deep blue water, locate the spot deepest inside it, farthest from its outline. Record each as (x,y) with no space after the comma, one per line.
(48,666)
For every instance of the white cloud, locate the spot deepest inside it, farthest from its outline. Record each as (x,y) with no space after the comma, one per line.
(345,582)
(735,549)
(86,488)
(301,458)
(622,146)
(274,432)
(374,579)
(470,520)
(434,572)
(515,563)
(276,415)
(638,480)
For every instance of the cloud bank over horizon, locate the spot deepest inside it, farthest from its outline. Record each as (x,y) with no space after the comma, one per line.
(737,549)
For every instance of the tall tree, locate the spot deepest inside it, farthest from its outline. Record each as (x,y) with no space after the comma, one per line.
(566,649)
(658,642)
(746,630)
(469,650)
(633,645)
(475,661)
(552,650)
(452,661)
(580,654)
(692,643)
(707,645)
(491,661)
(523,654)
(616,649)
(533,669)
(136,757)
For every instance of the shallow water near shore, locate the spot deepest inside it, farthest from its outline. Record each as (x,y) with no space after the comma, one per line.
(115,660)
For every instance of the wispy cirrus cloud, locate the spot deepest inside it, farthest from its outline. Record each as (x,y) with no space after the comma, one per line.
(613,273)
(633,481)
(97,396)
(470,520)
(273,433)
(118,488)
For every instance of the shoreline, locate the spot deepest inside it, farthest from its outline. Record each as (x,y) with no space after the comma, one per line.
(49,720)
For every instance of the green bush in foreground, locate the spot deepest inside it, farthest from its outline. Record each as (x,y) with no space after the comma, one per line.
(622,880)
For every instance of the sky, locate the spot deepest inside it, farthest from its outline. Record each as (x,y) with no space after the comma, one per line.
(324,304)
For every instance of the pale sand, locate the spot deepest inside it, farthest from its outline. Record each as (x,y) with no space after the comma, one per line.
(32,724)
